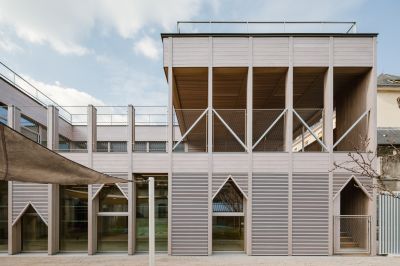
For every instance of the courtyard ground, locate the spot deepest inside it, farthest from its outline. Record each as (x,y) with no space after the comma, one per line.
(217,260)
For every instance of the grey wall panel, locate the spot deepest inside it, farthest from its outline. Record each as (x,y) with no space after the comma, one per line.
(310,214)
(240,179)
(23,193)
(189,234)
(389,224)
(339,179)
(270,214)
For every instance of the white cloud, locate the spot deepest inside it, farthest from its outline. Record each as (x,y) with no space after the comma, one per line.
(7,45)
(64,96)
(148,47)
(66,24)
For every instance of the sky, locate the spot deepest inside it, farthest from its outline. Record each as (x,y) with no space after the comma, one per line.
(109,52)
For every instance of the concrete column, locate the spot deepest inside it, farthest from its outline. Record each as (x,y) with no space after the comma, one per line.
(289,138)
(328,137)
(249,142)
(14,238)
(170,140)
(210,139)
(92,203)
(53,189)
(131,187)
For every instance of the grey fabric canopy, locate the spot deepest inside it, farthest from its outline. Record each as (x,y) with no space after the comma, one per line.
(22,159)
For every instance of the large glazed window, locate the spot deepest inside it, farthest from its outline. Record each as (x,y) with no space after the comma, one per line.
(112,220)
(228,218)
(73,218)
(161,213)
(228,233)
(3,215)
(34,232)
(112,233)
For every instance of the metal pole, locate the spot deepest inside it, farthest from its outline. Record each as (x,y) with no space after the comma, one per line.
(151,223)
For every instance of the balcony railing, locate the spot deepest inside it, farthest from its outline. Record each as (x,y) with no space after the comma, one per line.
(266,27)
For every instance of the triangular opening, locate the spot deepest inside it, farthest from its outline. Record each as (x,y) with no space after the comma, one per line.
(111,199)
(353,199)
(33,231)
(229,198)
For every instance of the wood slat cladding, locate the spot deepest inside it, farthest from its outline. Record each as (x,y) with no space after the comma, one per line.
(229,88)
(231,52)
(310,213)
(353,51)
(190,88)
(270,52)
(308,87)
(190,51)
(189,226)
(270,214)
(310,51)
(24,193)
(269,87)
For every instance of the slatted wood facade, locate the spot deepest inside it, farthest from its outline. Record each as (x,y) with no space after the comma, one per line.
(310,214)
(270,214)
(189,214)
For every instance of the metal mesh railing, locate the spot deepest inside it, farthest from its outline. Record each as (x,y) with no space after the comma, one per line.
(308,129)
(192,124)
(352,233)
(268,129)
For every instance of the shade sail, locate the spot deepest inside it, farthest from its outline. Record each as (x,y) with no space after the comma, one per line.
(22,159)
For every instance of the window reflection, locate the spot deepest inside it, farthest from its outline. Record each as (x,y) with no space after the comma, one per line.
(112,220)
(34,231)
(112,233)
(111,199)
(228,232)
(73,218)
(161,213)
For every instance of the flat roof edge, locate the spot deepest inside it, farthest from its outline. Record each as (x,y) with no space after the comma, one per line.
(165,35)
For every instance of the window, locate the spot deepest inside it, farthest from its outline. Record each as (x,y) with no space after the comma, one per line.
(29,128)
(112,220)
(73,218)
(180,147)
(102,146)
(157,146)
(3,114)
(79,146)
(3,215)
(64,144)
(161,213)
(228,219)
(118,146)
(140,146)
(34,231)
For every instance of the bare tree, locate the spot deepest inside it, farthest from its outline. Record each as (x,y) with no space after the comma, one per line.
(362,161)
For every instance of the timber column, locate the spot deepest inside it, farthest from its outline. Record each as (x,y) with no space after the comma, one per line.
(53,189)
(14,238)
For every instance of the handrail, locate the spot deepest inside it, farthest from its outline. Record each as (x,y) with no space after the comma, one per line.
(351,29)
(37,91)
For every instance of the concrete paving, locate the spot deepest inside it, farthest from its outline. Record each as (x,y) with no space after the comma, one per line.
(217,260)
